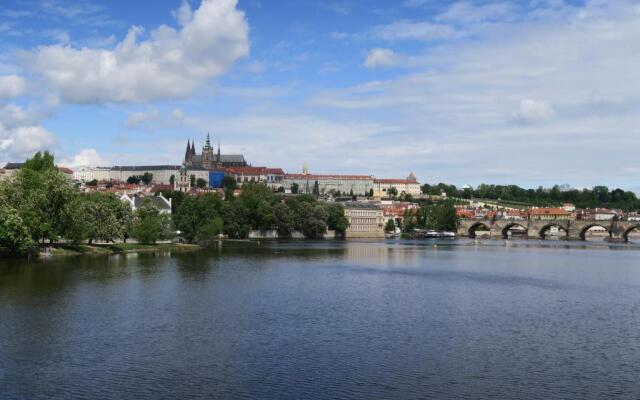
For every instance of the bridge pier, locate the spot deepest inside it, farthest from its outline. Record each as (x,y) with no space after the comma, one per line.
(574,229)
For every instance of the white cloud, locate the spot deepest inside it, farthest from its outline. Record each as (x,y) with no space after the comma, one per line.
(85,158)
(532,111)
(409,30)
(170,64)
(379,57)
(23,141)
(523,95)
(11,86)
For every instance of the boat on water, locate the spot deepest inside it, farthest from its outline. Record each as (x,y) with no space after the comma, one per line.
(431,234)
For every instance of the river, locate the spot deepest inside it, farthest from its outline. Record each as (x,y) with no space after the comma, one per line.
(326,320)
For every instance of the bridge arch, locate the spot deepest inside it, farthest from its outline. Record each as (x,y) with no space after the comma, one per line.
(630,229)
(478,225)
(585,229)
(542,233)
(507,228)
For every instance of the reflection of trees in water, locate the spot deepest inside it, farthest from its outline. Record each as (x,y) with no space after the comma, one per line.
(380,253)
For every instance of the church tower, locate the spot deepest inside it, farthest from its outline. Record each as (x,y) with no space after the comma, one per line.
(208,160)
(183,183)
(188,154)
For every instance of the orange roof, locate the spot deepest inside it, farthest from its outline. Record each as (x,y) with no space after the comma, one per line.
(318,177)
(254,170)
(548,211)
(398,181)
(65,170)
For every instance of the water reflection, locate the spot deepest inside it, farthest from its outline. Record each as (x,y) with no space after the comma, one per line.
(356,319)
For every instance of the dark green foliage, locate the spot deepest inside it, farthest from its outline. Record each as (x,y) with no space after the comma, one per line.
(133,180)
(229,182)
(146,178)
(295,188)
(335,218)
(201,183)
(597,197)
(150,225)
(390,226)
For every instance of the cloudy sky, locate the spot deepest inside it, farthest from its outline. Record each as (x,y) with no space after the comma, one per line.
(532,92)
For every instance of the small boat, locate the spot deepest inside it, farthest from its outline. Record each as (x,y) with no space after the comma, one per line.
(431,234)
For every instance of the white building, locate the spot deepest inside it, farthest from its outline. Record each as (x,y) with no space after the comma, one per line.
(409,185)
(345,184)
(366,220)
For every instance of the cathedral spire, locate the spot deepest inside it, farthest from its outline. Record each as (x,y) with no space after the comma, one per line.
(193,148)
(187,153)
(208,143)
(218,149)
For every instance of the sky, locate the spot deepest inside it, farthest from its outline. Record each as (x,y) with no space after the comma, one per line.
(530,92)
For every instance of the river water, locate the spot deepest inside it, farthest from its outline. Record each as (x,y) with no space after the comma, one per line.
(326,320)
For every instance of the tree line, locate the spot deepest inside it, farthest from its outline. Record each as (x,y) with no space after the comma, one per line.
(40,204)
(596,197)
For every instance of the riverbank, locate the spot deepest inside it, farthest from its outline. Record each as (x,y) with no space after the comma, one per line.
(67,250)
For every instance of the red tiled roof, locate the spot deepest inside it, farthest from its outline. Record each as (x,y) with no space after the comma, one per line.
(548,211)
(398,181)
(65,170)
(318,177)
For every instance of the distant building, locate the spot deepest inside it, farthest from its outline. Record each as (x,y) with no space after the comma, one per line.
(409,185)
(182,183)
(209,159)
(366,220)
(344,184)
(272,177)
(554,213)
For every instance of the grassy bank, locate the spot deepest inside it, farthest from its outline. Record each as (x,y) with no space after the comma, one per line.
(119,248)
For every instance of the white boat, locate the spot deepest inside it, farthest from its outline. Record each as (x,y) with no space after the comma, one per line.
(431,234)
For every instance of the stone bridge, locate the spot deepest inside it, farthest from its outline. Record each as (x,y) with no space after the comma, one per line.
(575,230)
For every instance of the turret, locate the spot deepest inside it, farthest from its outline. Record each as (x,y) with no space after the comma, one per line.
(193,148)
(207,145)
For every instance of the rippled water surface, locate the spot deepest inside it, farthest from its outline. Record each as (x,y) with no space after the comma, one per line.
(353,320)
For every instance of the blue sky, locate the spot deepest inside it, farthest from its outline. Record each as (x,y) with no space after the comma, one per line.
(532,92)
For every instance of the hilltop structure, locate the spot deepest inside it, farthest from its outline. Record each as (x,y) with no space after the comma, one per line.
(209,159)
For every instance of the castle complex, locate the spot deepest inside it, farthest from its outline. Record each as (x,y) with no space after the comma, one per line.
(210,159)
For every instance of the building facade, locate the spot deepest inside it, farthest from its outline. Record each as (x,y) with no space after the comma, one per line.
(409,185)
(344,184)
(209,159)
(366,220)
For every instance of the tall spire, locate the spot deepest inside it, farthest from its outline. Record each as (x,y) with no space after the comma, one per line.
(208,143)
(193,148)
(188,152)
(218,149)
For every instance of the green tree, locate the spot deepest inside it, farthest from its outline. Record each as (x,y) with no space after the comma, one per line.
(295,188)
(194,212)
(133,180)
(150,225)
(211,229)
(311,220)
(442,216)
(335,218)
(316,189)
(147,178)
(392,192)
(14,235)
(229,182)
(390,226)
(40,162)
(284,221)
(201,183)
(172,180)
